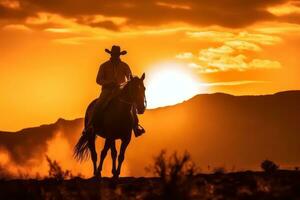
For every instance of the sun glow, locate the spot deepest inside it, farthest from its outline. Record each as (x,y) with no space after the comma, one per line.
(169,84)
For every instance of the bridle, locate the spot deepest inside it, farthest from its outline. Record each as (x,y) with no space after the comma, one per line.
(132,103)
(130,95)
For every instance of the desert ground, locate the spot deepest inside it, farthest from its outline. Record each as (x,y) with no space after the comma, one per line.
(239,185)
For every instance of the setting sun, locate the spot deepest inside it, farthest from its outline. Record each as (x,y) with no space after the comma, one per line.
(170,83)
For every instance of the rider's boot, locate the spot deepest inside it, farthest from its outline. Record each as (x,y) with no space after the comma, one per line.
(138,130)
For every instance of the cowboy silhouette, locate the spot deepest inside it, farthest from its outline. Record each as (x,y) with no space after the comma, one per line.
(111,76)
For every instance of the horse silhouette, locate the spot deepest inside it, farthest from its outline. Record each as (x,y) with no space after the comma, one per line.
(115,122)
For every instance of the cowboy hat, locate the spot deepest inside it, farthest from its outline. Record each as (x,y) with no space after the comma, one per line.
(115,50)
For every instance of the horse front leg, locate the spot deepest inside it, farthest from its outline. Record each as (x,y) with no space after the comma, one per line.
(106,147)
(114,153)
(121,157)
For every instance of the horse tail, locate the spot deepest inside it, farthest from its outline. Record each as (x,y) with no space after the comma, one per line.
(81,149)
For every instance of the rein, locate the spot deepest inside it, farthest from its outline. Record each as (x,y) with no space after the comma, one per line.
(126,102)
(130,95)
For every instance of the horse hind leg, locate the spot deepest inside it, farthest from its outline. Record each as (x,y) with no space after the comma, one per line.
(91,145)
(103,154)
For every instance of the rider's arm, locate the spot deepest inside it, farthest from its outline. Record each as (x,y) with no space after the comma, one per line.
(101,79)
(127,72)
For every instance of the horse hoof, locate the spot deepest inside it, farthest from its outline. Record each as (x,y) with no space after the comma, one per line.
(97,177)
(115,177)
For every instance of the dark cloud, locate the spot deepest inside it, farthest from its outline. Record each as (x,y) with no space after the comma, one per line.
(227,13)
(292,18)
(13,14)
(107,24)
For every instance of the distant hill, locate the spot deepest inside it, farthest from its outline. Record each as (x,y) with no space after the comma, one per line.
(217,129)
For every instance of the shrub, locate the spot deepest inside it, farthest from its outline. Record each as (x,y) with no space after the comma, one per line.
(219,170)
(56,172)
(176,173)
(269,166)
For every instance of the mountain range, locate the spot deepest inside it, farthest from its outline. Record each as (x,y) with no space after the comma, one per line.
(219,130)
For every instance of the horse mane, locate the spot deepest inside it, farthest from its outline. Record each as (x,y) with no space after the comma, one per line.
(123,85)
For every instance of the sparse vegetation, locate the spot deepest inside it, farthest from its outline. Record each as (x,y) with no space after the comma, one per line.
(22,175)
(219,170)
(56,172)
(176,173)
(176,178)
(269,166)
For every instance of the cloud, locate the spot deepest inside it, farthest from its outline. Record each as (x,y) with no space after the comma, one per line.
(17,27)
(289,7)
(264,64)
(228,13)
(106,24)
(219,36)
(78,40)
(242,45)
(232,52)
(58,30)
(10,4)
(233,83)
(173,6)
(225,58)
(184,55)
(275,28)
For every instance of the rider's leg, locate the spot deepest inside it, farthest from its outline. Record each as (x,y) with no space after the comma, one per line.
(100,104)
(137,129)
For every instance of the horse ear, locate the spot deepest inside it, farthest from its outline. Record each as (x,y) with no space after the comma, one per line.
(143,76)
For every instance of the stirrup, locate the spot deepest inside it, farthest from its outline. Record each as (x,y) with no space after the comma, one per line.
(139,130)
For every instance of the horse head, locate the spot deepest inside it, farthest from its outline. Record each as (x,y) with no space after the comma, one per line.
(137,92)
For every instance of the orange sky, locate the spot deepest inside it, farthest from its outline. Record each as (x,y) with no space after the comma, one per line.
(51,50)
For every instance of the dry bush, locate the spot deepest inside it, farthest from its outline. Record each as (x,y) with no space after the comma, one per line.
(219,170)
(176,173)
(172,167)
(56,172)
(23,175)
(269,166)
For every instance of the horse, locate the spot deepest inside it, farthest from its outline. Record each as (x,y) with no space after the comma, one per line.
(116,122)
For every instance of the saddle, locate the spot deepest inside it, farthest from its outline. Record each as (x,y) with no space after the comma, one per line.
(102,103)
